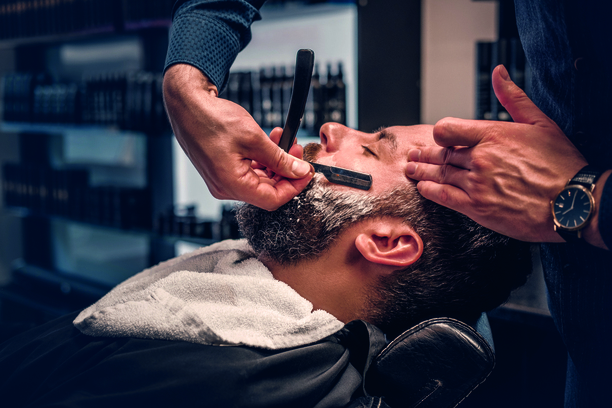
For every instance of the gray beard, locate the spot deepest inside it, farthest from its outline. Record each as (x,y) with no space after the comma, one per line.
(306,226)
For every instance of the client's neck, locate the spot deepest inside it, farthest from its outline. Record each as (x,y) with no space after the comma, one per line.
(332,282)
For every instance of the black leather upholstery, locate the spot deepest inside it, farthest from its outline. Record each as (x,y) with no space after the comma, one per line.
(434,364)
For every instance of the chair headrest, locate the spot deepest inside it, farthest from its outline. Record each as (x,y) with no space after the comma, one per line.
(434,364)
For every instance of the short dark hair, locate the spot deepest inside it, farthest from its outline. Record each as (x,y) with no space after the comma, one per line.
(465,269)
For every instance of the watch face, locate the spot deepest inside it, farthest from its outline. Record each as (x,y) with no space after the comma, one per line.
(572,207)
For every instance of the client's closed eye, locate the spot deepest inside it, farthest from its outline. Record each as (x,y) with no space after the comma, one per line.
(368,151)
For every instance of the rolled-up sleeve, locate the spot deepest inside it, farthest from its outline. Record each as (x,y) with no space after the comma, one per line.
(209,34)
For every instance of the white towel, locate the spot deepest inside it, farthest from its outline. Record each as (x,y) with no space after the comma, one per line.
(219,295)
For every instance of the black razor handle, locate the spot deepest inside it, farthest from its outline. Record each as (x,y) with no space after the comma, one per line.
(304,63)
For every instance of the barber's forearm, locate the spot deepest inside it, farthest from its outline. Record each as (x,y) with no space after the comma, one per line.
(182,78)
(186,92)
(592,233)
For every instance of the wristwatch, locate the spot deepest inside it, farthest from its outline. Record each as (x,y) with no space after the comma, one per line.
(574,205)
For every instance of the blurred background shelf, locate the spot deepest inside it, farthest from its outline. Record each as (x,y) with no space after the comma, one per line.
(212,229)
(69,129)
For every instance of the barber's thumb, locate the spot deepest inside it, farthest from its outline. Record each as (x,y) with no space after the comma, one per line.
(514,99)
(299,168)
(282,163)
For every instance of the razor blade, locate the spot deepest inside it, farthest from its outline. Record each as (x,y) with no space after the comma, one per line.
(345,177)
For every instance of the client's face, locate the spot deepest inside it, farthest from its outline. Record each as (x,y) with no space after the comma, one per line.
(307,225)
(383,154)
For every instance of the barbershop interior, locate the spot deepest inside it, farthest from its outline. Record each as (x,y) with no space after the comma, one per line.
(96,188)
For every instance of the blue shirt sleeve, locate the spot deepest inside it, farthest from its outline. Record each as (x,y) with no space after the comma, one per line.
(209,34)
(605,214)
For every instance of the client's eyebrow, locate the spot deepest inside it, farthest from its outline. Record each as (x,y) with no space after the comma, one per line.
(384,134)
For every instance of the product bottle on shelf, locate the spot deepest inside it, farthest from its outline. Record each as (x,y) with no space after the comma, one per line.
(338,104)
(245,91)
(265,81)
(277,95)
(287,88)
(501,55)
(335,96)
(318,101)
(256,107)
(484,89)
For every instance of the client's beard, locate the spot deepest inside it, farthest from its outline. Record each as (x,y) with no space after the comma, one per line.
(306,226)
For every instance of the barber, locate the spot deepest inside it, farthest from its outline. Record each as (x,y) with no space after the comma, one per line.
(221,139)
(505,175)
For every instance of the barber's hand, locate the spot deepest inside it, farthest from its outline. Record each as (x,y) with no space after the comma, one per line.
(267,175)
(501,174)
(222,140)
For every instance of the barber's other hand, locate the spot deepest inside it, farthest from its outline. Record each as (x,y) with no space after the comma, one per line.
(501,174)
(222,140)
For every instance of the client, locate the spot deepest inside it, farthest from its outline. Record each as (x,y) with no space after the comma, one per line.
(262,322)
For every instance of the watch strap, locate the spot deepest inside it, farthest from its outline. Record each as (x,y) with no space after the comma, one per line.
(570,236)
(587,177)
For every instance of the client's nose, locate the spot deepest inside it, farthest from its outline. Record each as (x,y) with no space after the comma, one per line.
(331,135)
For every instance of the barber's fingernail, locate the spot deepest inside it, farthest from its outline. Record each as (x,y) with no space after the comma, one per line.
(300,168)
(411,168)
(414,154)
(503,72)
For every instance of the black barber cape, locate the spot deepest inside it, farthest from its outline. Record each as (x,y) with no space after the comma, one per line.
(55,365)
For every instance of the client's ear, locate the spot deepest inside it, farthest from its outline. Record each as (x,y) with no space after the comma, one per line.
(390,242)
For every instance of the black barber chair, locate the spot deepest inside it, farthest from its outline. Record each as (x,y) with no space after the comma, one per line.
(434,364)
(437,364)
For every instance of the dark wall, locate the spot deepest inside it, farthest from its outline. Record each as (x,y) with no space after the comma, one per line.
(9,151)
(389,41)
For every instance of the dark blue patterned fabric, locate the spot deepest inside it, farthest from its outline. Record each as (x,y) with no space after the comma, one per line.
(209,34)
(567,44)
